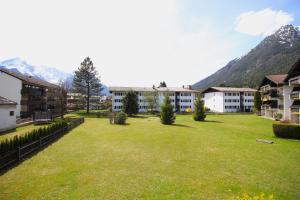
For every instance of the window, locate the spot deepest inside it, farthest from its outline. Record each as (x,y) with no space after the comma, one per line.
(11,113)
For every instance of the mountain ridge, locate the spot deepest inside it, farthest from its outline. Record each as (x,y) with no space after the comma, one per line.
(49,74)
(275,54)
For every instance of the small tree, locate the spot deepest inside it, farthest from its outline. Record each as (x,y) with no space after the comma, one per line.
(257,102)
(199,111)
(166,112)
(151,99)
(130,103)
(86,81)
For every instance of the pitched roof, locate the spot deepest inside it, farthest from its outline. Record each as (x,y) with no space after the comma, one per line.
(228,89)
(28,79)
(5,101)
(150,89)
(278,78)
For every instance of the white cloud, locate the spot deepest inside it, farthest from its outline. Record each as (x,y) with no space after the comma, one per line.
(263,22)
(133,42)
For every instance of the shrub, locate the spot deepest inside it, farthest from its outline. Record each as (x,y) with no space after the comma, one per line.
(199,113)
(167,114)
(277,116)
(18,141)
(120,118)
(286,130)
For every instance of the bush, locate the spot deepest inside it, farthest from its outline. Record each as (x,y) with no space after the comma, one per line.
(277,116)
(120,118)
(167,114)
(286,130)
(18,141)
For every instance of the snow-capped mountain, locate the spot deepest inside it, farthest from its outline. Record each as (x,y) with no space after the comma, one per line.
(49,74)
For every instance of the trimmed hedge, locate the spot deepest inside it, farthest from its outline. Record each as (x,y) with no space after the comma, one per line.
(20,140)
(286,130)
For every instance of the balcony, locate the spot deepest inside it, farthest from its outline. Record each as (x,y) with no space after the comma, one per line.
(295,81)
(266,89)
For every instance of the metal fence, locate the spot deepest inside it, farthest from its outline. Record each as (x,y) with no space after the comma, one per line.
(24,151)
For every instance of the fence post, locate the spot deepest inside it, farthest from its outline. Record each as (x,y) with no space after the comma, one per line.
(19,153)
(40,140)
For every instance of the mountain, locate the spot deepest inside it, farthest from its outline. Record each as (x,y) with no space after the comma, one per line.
(274,55)
(49,74)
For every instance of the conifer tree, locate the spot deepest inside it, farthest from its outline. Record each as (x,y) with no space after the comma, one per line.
(257,102)
(199,111)
(167,115)
(86,81)
(130,103)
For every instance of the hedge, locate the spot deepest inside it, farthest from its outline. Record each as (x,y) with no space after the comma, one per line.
(20,140)
(286,130)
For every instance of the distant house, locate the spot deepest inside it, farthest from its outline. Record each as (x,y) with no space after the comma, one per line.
(182,98)
(229,99)
(29,93)
(8,110)
(273,89)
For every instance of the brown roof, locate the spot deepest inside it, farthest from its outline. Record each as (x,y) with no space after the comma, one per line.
(28,79)
(150,89)
(278,78)
(5,101)
(228,89)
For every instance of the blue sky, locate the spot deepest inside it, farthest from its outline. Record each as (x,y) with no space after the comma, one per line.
(220,15)
(140,42)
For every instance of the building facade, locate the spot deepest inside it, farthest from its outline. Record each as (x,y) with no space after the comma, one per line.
(181,98)
(228,99)
(30,94)
(281,95)
(292,101)
(273,91)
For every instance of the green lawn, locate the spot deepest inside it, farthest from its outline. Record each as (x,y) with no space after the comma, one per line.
(144,159)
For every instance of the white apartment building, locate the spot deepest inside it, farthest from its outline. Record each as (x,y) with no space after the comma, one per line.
(181,98)
(228,99)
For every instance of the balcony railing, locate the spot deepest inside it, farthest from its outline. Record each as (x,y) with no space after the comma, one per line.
(295,81)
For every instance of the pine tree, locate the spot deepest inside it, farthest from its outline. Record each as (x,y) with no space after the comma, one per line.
(167,115)
(199,111)
(257,102)
(86,81)
(130,103)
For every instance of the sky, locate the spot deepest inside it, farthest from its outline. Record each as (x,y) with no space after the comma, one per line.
(140,42)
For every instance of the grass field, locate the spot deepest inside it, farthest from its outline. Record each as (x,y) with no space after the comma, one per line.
(216,159)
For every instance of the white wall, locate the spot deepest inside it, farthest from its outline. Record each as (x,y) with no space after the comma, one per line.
(7,122)
(10,88)
(214,101)
(287,102)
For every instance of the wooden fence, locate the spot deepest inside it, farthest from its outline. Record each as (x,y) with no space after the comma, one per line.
(24,151)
